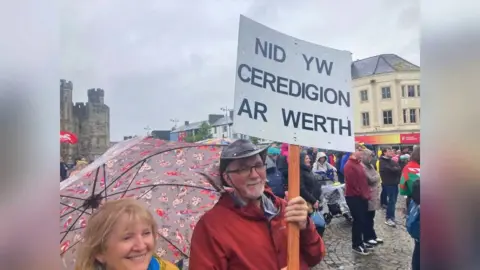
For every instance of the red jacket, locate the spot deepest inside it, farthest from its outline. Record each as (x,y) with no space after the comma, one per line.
(356,183)
(234,238)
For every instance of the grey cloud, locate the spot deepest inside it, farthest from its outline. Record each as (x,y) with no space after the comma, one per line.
(159,60)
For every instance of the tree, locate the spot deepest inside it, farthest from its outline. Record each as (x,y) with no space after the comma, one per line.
(203,133)
(254,140)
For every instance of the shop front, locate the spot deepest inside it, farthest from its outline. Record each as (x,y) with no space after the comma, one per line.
(397,141)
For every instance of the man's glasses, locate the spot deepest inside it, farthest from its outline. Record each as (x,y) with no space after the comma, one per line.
(246,171)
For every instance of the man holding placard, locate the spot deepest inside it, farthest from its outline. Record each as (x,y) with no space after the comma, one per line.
(246,229)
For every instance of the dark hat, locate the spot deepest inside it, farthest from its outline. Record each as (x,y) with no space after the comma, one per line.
(237,150)
(241,149)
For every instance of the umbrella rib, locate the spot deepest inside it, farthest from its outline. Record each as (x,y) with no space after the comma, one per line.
(133,178)
(156,185)
(73,224)
(70,247)
(74,209)
(161,152)
(95,181)
(170,242)
(105,181)
(71,197)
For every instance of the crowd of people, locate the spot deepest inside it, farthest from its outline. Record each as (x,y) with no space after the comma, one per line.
(121,234)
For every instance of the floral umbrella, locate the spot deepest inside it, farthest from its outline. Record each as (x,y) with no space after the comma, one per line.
(224,141)
(166,176)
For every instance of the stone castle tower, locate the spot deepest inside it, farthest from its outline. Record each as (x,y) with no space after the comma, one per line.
(90,121)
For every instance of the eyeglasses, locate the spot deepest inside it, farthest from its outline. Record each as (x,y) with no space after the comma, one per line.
(246,171)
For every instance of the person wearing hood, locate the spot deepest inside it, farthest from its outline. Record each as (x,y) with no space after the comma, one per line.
(390,172)
(246,228)
(321,166)
(373,179)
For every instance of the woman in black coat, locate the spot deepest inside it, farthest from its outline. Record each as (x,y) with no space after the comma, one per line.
(310,187)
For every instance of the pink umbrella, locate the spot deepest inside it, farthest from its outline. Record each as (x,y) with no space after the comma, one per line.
(167,176)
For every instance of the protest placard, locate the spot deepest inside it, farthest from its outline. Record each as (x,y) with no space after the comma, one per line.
(292,91)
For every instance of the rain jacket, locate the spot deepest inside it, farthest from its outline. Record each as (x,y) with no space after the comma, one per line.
(410,174)
(239,238)
(356,184)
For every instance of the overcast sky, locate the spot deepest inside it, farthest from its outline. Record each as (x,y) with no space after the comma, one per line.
(159,60)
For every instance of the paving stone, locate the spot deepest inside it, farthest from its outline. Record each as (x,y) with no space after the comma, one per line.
(395,253)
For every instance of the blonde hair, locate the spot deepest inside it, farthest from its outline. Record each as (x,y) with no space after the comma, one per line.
(100,225)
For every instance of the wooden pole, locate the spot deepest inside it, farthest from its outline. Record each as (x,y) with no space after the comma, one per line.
(293,259)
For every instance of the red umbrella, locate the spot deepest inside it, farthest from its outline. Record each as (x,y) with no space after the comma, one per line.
(68,137)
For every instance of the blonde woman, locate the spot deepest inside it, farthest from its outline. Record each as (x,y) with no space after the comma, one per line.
(373,179)
(121,235)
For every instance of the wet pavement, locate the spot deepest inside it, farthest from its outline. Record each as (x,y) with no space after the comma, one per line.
(395,253)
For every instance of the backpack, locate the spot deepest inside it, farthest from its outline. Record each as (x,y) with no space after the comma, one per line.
(276,182)
(413,220)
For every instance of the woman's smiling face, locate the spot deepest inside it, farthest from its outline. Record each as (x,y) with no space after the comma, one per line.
(130,246)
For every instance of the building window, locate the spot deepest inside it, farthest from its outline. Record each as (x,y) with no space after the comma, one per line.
(403,90)
(364,95)
(387,117)
(224,128)
(418,90)
(365,119)
(411,91)
(386,92)
(214,129)
(405,116)
(418,114)
(413,116)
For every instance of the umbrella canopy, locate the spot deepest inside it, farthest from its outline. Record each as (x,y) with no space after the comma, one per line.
(166,176)
(223,141)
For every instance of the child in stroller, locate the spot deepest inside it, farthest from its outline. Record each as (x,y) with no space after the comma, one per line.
(333,196)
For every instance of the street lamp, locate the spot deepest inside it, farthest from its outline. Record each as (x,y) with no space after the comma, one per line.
(174,121)
(227,111)
(148,129)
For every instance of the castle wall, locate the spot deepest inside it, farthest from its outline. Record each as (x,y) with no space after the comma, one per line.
(89,121)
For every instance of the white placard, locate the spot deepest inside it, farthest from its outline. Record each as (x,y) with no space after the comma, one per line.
(292,91)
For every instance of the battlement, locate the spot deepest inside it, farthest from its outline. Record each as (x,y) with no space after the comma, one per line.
(67,85)
(96,95)
(80,110)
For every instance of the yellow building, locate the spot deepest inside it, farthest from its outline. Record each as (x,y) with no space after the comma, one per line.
(386,98)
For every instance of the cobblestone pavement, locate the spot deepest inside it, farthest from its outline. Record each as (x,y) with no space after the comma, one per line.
(395,253)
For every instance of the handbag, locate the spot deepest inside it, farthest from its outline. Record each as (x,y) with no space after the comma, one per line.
(318,219)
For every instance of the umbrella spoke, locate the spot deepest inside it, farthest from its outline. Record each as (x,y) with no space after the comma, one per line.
(95,181)
(158,185)
(71,197)
(170,242)
(105,181)
(73,210)
(74,244)
(73,224)
(133,178)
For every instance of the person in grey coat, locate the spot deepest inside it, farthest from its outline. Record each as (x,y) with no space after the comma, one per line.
(373,179)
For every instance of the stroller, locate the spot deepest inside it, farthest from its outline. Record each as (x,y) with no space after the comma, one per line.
(333,196)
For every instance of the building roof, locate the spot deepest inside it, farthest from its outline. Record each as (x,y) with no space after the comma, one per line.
(190,126)
(226,120)
(381,64)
